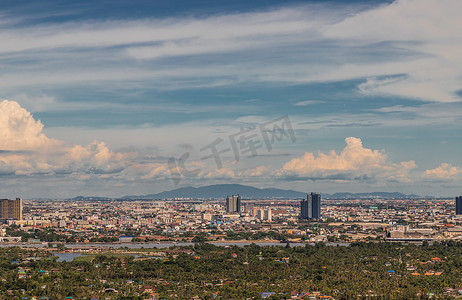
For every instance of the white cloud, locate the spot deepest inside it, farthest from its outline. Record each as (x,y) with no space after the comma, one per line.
(421,115)
(309,102)
(25,149)
(443,172)
(222,173)
(354,163)
(412,38)
(373,84)
(425,27)
(193,47)
(402,20)
(170,37)
(229,172)
(19,130)
(156,171)
(255,172)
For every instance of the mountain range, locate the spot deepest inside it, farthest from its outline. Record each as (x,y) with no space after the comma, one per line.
(249,192)
(221,191)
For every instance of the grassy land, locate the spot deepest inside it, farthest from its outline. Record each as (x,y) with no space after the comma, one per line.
(90,257)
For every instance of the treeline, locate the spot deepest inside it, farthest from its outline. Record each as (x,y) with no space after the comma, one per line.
(361,270)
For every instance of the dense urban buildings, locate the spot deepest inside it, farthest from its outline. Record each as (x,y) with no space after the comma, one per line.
(193,220)
(310,208)
(188,219)
(233,204)
(11,209)
(120,237)
(459,205)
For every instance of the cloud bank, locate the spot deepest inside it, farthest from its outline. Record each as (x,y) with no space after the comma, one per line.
(26,150)
(354,163)
(445,171)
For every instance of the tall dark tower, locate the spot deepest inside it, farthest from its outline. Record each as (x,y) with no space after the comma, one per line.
(459,205)
(237,202)
(311,207)
(316,205)
(305,209)
(233,203)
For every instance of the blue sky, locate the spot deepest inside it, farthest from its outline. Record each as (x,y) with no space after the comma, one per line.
(101,95)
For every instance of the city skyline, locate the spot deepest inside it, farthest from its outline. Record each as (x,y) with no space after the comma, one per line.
(113,99)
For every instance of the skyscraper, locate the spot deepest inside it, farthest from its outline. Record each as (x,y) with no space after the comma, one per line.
(11,209)
(459,205)
(249,208)
(311,207)
(233,204)
(316,204)
(264,214)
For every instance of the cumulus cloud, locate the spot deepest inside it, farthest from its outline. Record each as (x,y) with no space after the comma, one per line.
(19,130)
(443,172)
(256,172)
(221,173)
(354,163)
(155,172)
(26,150)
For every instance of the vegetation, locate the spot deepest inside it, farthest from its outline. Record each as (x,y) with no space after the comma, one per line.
(361,270)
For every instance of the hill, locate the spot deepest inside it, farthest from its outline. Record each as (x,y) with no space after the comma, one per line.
(221,191)
(218,191)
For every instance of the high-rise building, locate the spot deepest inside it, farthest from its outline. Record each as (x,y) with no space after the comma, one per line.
(305,209)
(207,216)
(267,215)
(459,205)
(311,207)
(264,215)
(249,208)
(11,209)
(316,204)
(233,203)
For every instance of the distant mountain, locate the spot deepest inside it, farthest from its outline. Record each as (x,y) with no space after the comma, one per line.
(249,192)
(221,191)
(80,198)
(382,195)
